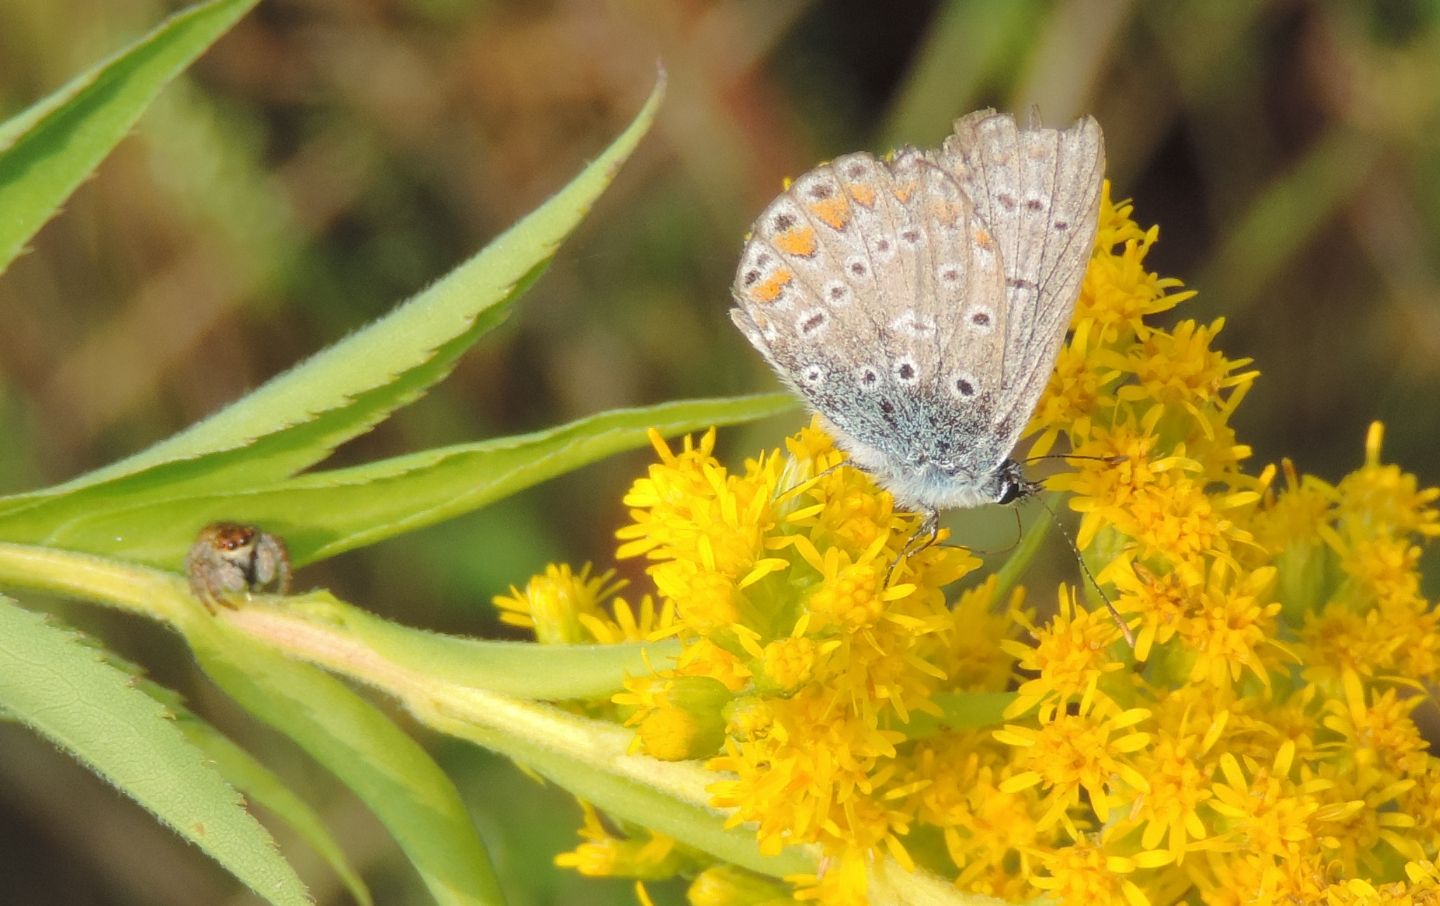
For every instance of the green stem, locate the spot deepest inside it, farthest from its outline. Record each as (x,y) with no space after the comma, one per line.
(340,636)
(588,757)
(147,592)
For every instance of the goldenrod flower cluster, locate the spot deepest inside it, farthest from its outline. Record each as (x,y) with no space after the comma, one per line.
(1256,745)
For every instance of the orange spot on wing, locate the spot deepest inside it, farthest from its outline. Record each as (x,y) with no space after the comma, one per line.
(771,289)
(833,212)
(863,194)
(983,238)
(946,212)
(798,240)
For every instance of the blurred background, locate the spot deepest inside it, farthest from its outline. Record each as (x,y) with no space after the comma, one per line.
(330,157)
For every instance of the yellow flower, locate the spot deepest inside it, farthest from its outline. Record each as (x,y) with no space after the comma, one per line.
(956,785)
(604,854)
(971,650)
(1086,751)
(844,883)
(726,885)
(1118,293)
(1069,654)
(1266,814)
(1379,729)
(1380,499)
(1084,872)
(684,721)
(1177,769)
(560,605)
(1232,629)
(1259,744)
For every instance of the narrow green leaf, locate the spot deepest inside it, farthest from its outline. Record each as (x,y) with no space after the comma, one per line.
(268,459)
(320,628)
(62,689)
(590,759)
(262,787)
(241,770)
(387,364)
(325,513)
(385,768)
(54,146)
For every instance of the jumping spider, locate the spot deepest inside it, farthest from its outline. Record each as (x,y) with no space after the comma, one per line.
(228,558)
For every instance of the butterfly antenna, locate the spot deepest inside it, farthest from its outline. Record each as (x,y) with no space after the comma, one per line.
(1109,460)
(1109,605)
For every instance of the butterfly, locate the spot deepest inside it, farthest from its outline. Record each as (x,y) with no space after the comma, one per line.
(917,303)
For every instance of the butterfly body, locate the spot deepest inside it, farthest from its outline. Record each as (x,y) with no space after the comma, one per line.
(918,302)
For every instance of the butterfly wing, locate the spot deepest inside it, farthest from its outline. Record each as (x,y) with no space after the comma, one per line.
(918,303)
(805,293)
(844,285)
(1038,192)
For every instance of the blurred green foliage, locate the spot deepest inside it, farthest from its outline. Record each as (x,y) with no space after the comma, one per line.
(327,159)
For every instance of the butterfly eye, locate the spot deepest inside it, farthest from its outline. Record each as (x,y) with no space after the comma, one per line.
(1010,490)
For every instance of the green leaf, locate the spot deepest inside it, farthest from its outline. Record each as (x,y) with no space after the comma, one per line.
(56,144)
(384,767)
(321,628)
(62,689)
(591,759)
(262,787)
(325,513)
(298,417)
(241,770)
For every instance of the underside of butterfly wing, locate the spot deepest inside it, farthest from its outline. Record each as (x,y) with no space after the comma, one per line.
(918,302)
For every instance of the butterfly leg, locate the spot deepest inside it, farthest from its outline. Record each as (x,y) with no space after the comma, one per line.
(927,534)
(929,528)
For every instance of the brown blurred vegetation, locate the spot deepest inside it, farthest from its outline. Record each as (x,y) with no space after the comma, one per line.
(329,158)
